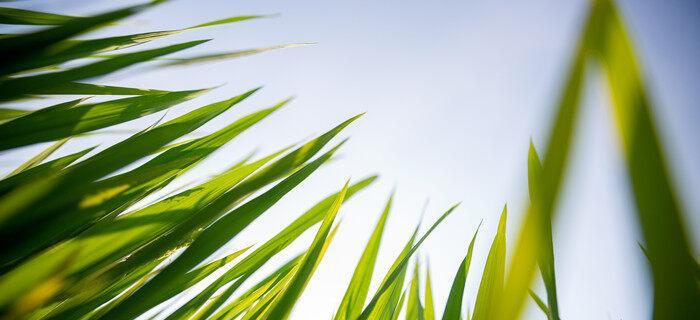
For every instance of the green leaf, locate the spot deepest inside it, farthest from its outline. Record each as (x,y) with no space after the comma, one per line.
(546,259)
(414,308)
(661,218)
(102,245)
(261,309)
(289,234)
(399,306)
(57,123)
(429,311)
(541,304)
(8,114)
(228,20)
(34,161)
(491,287)
(262,254)
(246,300)
(277,243)
(42,170)
(15,87)
(68,218)
(523,264)
(70,50)
(28,17)
(77,88)
(103,163)
(199,219)
(390,304)
(217,234)
(225,55)
(396,269)
(453,306)
(356,293)
(17,49)
(219,264)
(90,299)
(284,303)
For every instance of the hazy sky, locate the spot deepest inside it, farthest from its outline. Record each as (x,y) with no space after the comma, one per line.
(454,91)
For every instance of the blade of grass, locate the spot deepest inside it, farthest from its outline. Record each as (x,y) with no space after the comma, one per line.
(40,157)
(546,258)
(15,87)
(16,49)
(262,254)
(220,232)
(243,302)
(414,307)
(42,170)
(70,50)
(200,219)
(78,88)
(290,233)
(491,287)
(9,114)
(13,207)
(676,293)
(541,304)
(453,306)
(429,311)
(357,290)
(57,123)
(84,305)
(106,308)
(171,62)
(399,306)
(396,270)
(282,306)
(28,17)
(523,264)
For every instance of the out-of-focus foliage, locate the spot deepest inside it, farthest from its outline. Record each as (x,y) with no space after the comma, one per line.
(80,240)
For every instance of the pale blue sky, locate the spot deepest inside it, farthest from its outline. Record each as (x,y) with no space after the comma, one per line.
(453,91)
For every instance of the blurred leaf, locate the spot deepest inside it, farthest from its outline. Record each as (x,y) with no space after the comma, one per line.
(28,17)
(524,259)
(8,114)
(546,259)
(676,292)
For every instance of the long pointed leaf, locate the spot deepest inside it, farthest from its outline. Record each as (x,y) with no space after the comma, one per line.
(357,290)
(491,287)
(396,270)
(453,306)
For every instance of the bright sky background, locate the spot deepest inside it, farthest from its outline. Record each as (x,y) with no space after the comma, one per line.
(454,91)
